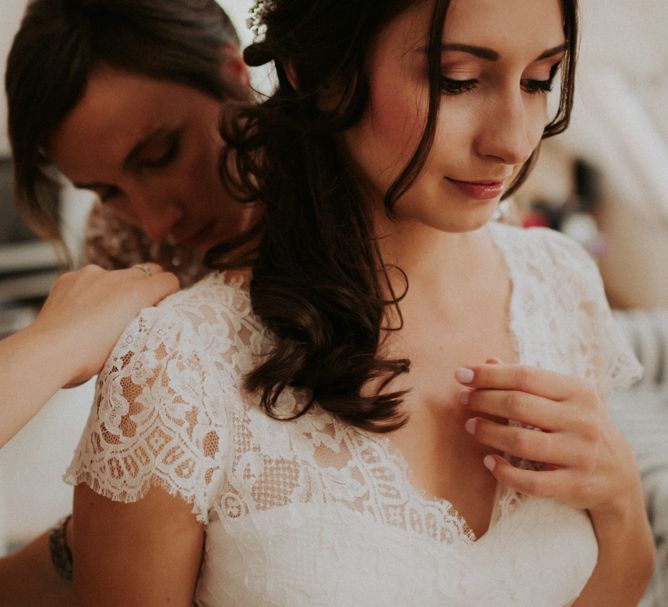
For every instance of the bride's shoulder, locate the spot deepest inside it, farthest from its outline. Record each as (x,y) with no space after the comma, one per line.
(545,250)
(533,237)
(220,297)
(212,314)
(220,291)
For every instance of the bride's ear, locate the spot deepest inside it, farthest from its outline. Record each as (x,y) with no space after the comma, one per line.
(330,95)
(292,76)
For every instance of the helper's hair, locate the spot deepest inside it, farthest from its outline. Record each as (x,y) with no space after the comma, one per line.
(318,281)
(59,45)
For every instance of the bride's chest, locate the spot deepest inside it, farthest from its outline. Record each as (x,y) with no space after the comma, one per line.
(311,512)
(328,554)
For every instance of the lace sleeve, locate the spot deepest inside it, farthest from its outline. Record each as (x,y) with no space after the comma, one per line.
(149,424)
(612,363)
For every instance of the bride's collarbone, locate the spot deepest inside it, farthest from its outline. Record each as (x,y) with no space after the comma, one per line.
(445,463)
(466,333)
(443,460)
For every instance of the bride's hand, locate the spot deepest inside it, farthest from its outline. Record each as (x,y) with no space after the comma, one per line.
(586,461)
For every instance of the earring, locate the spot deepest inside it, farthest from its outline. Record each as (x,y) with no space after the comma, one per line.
(502,211)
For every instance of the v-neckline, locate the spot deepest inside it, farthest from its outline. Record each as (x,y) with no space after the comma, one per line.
(395,455)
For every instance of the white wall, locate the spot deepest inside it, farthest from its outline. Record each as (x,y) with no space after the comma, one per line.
(630,35)
(32,494)
(620,124)
(10,17)
(238,12)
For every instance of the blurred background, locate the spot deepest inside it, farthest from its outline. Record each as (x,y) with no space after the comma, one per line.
(604,182)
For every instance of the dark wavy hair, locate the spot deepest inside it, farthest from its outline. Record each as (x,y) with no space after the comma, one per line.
(59,45)
(318,280)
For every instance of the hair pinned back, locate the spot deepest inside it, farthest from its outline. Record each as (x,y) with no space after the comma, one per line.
(256,55)
(319,281)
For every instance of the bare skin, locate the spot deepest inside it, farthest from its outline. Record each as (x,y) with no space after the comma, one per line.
(473,323)
(154,546)
(83,316)
(29,579)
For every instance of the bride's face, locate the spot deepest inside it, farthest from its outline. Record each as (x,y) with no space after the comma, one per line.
(498,63)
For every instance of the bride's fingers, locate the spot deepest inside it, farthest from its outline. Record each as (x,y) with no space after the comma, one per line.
(519,406)
(545,447)
(553,483)
(548,384)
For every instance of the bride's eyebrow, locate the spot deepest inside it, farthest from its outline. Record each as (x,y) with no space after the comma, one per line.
(491,55)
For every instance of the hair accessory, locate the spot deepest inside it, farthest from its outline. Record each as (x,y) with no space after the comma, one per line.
(61,555)
(257,54)
(255,21)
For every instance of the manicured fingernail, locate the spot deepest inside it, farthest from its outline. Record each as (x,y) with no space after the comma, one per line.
(493,361)
(464,397)
(490,462)
(470,425)
(464,375)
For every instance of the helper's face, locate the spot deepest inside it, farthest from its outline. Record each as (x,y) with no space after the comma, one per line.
(498,60)
(150,150)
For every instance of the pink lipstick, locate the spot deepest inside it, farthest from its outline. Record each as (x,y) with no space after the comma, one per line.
(479,190)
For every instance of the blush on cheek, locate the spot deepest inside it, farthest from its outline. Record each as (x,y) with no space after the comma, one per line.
(401,124)
(387,137)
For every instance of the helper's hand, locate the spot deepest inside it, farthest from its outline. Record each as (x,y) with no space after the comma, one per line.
(89,309)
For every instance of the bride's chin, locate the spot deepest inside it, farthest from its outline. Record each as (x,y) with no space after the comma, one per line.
(474,222)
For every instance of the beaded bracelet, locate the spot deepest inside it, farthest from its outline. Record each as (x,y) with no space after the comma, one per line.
(61,555)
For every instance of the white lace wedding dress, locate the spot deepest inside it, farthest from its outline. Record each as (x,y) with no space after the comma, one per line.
(313,512)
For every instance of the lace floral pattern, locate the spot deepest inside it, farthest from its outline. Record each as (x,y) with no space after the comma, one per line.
(170,410)
(559,314)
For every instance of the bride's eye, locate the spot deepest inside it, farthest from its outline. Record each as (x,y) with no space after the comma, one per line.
(450,86)
(533,86)
(537,86)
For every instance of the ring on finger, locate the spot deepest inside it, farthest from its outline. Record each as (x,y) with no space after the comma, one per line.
(144,268)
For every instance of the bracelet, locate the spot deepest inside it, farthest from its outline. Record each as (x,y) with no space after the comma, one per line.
(61,555)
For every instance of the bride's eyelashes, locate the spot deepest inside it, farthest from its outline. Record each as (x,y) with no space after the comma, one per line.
(453,86)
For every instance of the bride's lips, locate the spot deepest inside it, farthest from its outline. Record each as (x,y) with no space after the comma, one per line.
(480,190)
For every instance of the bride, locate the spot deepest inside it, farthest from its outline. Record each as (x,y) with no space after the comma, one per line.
(399,402)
